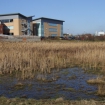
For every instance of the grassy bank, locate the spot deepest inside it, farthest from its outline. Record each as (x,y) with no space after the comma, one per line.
(100,82)
(28,57)
(59,101)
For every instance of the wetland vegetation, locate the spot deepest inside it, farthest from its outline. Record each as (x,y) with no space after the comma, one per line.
(26,58)
(49,70)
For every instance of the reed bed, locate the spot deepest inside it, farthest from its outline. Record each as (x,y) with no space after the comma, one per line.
(100,82)
(30,57)
(23,101)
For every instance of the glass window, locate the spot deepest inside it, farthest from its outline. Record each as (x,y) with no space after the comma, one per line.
(11,20)
(52,29)
(8,27)
(11,27)
(61,30)
(53,35)
(7,20)
(52,24)
(42,30)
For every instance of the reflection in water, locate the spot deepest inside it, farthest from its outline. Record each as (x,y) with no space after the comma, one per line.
(67,83)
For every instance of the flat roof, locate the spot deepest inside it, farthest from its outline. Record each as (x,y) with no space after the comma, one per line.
(48,19)
(15,14)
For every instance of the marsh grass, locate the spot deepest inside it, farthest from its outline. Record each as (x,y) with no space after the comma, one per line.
(100,81)
(57,101)
(27,58)
(97,80)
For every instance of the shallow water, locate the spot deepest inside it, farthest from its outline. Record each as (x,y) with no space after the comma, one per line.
(68,83)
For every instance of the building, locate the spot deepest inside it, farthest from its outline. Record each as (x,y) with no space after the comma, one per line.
(101,33)
(67,35)
(45,27)
(16,24)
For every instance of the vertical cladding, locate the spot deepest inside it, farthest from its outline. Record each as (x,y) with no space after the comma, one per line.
(62,30)
(42,28)
(1,29)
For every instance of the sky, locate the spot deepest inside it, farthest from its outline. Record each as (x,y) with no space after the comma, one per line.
(80,16)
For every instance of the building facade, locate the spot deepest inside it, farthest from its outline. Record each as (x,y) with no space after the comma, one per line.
(16,24)
(45,27)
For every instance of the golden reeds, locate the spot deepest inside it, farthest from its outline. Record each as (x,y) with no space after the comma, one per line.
(29,57)
(98,80)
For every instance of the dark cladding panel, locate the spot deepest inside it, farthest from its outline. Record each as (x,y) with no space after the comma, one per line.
(1,29)
(52,21)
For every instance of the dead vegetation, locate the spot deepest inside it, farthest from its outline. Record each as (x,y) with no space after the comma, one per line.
(100,81)
(28,58)
(58,101)
(97,80)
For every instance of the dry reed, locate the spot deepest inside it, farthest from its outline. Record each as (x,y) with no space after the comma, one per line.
(100,81)
(28,57)
(97,80)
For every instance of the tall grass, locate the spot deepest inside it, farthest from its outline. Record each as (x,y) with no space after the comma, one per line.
(23,101)
(28,57)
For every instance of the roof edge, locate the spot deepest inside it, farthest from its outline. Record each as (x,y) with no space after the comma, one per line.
(48,19)
(15,14)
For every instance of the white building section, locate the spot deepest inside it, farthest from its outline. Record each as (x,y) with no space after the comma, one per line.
(101,33)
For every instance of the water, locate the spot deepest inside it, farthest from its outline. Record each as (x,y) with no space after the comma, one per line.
(68,83)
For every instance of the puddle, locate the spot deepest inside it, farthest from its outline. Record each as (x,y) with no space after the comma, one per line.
(68,83)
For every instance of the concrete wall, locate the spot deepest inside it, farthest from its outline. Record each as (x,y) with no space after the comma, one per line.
(22,38)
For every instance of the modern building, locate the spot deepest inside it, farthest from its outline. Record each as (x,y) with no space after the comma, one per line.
(45,27)
(16,24)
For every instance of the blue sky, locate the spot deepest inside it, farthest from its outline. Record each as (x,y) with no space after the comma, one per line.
(80,16)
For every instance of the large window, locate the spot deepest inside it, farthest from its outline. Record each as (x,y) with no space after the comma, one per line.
(7,20)
(53,35)
(52,24)
(52,29)
(9,27)
(42,29)
(61,30)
